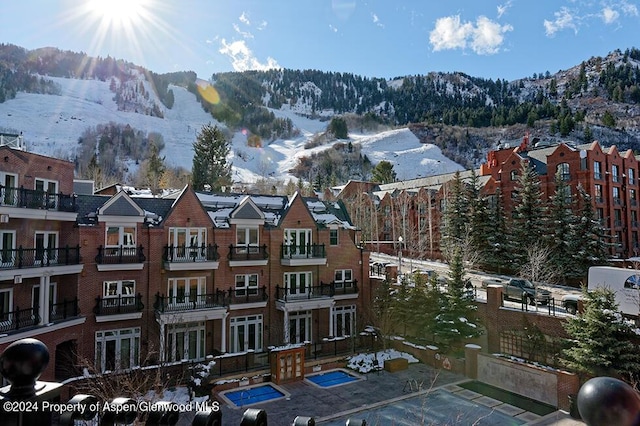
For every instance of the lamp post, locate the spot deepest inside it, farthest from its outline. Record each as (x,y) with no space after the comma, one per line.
(400,255)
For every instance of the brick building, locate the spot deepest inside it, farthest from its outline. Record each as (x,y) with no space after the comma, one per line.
(139,280)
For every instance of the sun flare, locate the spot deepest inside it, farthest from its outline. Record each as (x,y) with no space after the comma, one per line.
(124,13)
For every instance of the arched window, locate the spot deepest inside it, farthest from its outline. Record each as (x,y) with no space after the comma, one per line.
(563,171)
(514,175)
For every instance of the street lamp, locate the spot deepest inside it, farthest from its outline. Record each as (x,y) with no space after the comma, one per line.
(400,255)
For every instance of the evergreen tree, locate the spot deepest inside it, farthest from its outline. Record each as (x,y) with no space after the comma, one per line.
(590,245)
(338,126)
(601,340)
(455,220)
(608,119)
(499,256)
(154,169)
(529,213)
(561,231)
(588,134)
(478,213)
(210,164)
(383,172)
(456,320)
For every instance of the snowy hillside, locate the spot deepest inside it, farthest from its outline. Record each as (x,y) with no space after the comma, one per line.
(52,125)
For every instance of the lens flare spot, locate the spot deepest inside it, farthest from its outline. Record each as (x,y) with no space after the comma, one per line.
(208,92)
(245,132)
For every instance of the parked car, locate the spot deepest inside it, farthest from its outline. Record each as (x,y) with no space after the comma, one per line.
(517,288)
(570,302)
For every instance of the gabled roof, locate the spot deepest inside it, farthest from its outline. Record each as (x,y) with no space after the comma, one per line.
(120,205)
(153,210)
(247,210)
(221,206)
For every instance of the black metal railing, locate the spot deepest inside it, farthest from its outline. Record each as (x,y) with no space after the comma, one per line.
(39,257)
(247,295)
(18,319)
(189,302)
(120,255)
(118,305)
(64,310)
(35,199)
(311,292)
(344,287)
(307,251)
(184,254)
(244,252)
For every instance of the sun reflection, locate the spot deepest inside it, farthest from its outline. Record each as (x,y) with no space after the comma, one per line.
(208,92)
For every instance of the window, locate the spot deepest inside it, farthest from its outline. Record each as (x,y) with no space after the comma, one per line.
(343,320)
(246,333)
(46,244)
(50,187)
(6,305)
(616,195)
(297,283)
(185,242)
(615,175)
(117,349)
(443,204)
(563,171)
(7,248)
(633,197)
(300,327)
(247,239)
(617,214)
(600,214)
(186,341)
(513,175)
(246,284)
(422,208)
(35,295)
(598,193)
(634,218)
(343,278)
(122,292)
(565,193)
(186,290)
(9,193)
(597,170)
(297,242)
(387,210)
(631,175)
(387,226)
(121,236)
(333,237)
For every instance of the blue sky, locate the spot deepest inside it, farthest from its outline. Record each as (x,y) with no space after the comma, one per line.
(507,39)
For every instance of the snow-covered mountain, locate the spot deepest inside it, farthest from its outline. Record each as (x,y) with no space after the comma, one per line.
(52,124)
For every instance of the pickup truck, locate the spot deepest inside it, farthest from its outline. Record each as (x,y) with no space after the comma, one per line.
(517,288)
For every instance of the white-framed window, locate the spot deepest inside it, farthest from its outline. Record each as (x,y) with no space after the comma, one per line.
(122,292)
(6,305)
(7,248)
(563,170)
(117,349)
(186,241)
(46,244)
(120,235)
(343,278)
(333,237)
(300,327)
(246,333)
(631,175)
(186,290)
(297,283)
(597,170)
(50,187)
(297,242)
(247,239)
(35,295)
(513,175)
(344,320)
(615,173)
(186,341)
(246,284)
(9,194)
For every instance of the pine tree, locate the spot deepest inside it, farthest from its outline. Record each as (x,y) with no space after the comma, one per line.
(590,240)
(210,165)
(560,233)
(455,218)
(383,172)
(601,339)
(154,168)
(528,223)
(499,256)
(478,214)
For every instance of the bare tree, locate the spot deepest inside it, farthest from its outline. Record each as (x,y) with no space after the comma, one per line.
(537,267)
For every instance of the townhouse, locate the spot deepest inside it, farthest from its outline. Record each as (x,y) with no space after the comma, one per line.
(143,280)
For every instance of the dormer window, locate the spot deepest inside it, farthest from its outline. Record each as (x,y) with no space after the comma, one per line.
(117,236)
(247,239)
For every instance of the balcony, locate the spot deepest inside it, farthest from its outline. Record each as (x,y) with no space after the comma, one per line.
(35,204)
(303,255)
(33,262)
(189,302)
(21,320)
(305,297)
(120,258)
(118,308)
(247,297)
(247,255)
(190,258)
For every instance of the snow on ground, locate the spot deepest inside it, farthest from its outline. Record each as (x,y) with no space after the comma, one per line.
(52,124)
(364,363)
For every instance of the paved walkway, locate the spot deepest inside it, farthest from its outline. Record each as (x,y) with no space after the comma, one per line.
(305,399)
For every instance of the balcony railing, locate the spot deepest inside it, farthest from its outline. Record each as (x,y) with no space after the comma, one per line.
(120,255)
(21,258)
(186,254)
(242,253)
(118,305)
(344,287)
(311,292)
(189,302)
(308,251)
(34,199)
(247,295)
(27,318)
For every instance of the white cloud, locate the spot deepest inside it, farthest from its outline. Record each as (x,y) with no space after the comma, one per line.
(502,8)
(484,38)
(332,28)
(609,16)
(376,20)
(244,34)
(629,9)
(262,25)
(244,19)
(564,19)
(243,59)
